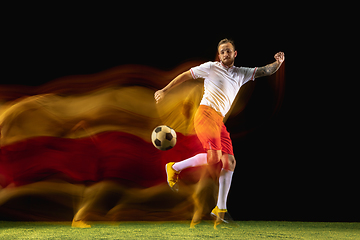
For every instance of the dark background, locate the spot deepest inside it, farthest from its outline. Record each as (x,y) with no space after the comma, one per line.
(294,164)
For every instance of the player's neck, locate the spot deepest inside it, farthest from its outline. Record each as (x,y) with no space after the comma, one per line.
(227,66)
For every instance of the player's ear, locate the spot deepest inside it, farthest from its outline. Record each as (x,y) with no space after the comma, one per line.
(235,54)
(217,57)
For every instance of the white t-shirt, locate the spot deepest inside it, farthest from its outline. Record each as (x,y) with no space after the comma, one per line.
(221,83)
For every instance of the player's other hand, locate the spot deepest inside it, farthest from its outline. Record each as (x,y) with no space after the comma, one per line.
(280,57)
(159,96)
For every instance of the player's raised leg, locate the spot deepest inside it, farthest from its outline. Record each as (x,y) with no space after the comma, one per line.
(173,169)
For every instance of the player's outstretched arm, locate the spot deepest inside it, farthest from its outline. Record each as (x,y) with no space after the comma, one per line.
(185,76)
(271,68)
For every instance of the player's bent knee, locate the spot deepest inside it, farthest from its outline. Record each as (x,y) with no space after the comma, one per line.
(232,163)
(212,161)
(213,156)
(228,162)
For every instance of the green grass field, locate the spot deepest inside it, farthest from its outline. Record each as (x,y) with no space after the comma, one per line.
(180,230)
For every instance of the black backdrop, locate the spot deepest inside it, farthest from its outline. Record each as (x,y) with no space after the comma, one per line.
(297,164)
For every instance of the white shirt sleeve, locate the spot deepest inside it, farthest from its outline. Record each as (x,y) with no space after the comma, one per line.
(248,73)
(201,71)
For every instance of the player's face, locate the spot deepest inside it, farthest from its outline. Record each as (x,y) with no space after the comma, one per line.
(227,54)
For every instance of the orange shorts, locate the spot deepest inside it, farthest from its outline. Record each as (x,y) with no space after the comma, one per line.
(211,131)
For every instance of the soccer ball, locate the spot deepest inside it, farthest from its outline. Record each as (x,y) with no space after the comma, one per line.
(163,137)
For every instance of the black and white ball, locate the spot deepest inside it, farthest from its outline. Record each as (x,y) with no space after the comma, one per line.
(163,137)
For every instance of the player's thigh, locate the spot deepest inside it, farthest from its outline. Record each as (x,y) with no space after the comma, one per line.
(208,131)
(226,143)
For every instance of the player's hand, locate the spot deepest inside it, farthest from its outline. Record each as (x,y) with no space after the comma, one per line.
(280,57)
(159,96)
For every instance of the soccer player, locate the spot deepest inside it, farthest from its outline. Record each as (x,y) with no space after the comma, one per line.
(222,81)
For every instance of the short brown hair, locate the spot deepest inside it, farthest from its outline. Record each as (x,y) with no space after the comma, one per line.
(225,40)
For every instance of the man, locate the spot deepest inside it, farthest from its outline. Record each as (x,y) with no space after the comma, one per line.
(222,81)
